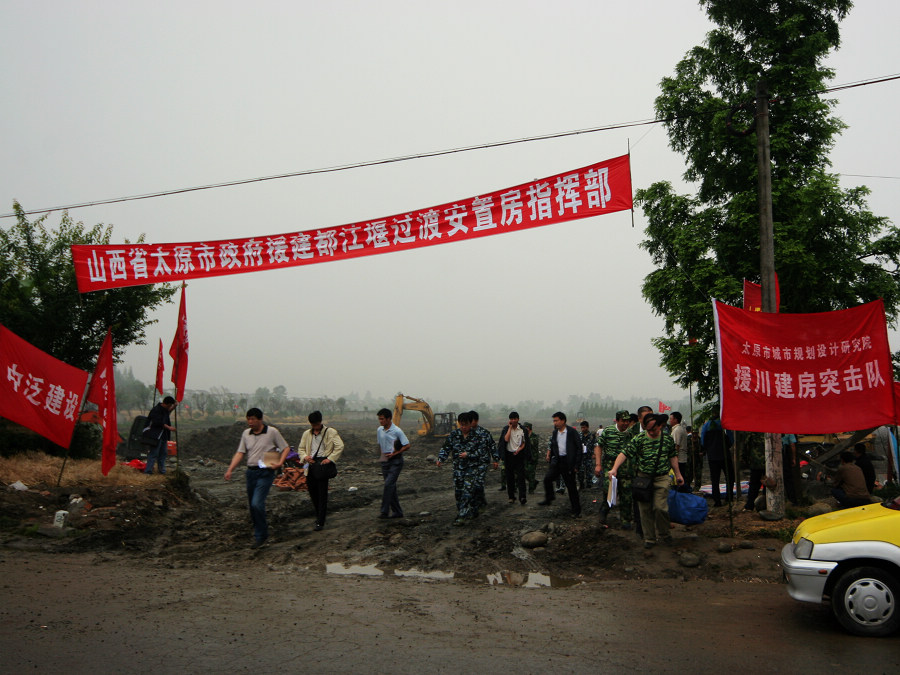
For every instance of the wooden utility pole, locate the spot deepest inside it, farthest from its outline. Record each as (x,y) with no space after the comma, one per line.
(774,497)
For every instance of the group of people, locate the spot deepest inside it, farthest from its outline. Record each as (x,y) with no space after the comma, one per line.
(265,451)
(638,454)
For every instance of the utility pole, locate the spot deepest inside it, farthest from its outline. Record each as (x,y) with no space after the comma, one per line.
(774,497)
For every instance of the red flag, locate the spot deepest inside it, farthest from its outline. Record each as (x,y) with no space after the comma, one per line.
(179,350)
(103,393)
(663,407)
(39,391)
(160,367)
(753,296)
(804,373)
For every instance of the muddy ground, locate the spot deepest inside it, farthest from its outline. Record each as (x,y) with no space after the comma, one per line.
(203,521)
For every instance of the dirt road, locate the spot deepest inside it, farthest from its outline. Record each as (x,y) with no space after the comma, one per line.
(89,613)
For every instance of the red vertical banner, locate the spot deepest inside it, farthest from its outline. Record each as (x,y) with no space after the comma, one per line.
(825,372)
(753,296)
(103,393)
(160,367)
(179,350)
(38,391)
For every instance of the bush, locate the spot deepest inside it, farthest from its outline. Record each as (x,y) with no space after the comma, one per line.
(87,441)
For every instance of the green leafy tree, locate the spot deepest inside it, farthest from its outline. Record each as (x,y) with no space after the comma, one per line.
(39,298)
(830,251)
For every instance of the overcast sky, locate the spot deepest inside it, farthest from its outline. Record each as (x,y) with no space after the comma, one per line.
(111,99)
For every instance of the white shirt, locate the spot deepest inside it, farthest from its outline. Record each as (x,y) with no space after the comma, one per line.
(561,441)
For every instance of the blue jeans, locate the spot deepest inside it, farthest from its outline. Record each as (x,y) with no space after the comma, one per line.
(157,456)
(390,471)
(258,483)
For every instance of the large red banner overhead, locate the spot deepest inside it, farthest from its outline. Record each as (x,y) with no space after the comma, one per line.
(825,372)
(37,390)
(601,188)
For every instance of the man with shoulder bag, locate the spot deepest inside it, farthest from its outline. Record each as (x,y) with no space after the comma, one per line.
(652,454)
(320,447)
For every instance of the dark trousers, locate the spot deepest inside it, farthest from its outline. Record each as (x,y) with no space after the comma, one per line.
(560,469)
(848,502)
(716,468)
(683,468)
(259,481)
(390,471)
(514,466)
(754,486)
(318,495)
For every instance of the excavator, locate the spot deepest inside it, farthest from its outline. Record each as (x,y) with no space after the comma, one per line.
(436,425)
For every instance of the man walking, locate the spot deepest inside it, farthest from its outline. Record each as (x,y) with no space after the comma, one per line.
(512,447)
(256,441)
(393,443)
(320,448)
(564,457)
(470,455)
(609,444)
(158,431)
(652,454)
(680,438)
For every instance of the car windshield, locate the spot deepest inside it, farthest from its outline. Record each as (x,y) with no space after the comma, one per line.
(895,504)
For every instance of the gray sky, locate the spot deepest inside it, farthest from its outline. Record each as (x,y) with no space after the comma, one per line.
(110,99)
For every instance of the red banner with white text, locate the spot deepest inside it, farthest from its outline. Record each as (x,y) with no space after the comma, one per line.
(38,391)
(598,189)
(826,372)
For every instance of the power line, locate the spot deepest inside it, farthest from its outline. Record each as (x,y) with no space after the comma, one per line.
(435,153)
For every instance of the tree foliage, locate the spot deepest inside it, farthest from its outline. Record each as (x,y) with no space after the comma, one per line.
(830,251)
(39,298)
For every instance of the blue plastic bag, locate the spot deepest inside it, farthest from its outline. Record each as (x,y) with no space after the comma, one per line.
(687,508)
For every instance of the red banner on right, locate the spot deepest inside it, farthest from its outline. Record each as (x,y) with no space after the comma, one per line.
(826,372)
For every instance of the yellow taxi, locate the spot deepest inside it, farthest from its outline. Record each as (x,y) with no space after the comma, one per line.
(850,558)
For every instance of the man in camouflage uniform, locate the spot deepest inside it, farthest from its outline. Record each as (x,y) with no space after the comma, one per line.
(531,459)
(469,454)
(609,444)
(588,440)
(487,439)
(652,454)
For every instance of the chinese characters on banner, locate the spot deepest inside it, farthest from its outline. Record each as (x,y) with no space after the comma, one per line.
(753,296)
(594,190)
(826,372)
(103,392)
(38,391)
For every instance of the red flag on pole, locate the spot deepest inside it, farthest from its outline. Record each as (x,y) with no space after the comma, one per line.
(753,296)
(38,391)
(804,373)
(160,367)
(663,407)
(179,350)
(103,393)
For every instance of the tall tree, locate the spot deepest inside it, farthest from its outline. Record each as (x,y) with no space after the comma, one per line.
(830,251)
(39,298)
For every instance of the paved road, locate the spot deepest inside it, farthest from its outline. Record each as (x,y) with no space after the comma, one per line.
(90,614)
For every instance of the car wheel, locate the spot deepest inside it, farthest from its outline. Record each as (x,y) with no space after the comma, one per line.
(865,601)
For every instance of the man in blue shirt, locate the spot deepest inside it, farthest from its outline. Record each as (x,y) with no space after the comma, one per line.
(393,443)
